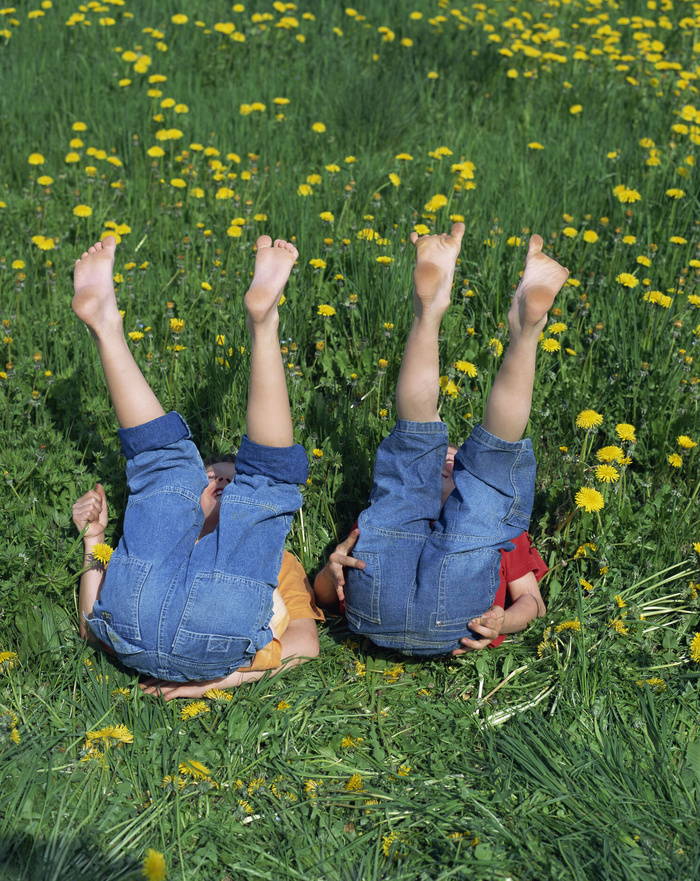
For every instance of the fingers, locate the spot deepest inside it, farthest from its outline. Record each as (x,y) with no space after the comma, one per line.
(414,237)
(349,542)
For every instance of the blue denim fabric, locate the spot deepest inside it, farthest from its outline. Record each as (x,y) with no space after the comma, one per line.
(430,570)
(181,609)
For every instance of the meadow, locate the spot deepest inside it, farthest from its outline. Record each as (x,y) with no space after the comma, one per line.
(188,130)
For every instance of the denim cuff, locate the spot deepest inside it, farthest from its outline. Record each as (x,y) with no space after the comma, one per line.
(486,439)
(153,435)
(280,464)
(420,427)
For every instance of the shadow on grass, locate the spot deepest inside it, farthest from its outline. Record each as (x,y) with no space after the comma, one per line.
(79,858)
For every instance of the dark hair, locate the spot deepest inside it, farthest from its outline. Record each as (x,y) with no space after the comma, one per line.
(221,457)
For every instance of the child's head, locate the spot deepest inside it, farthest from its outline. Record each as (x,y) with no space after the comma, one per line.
(220,471)
(447,483)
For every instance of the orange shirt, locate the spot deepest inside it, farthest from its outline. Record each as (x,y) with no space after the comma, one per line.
(298,596)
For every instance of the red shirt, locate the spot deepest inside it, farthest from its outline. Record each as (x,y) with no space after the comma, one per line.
(522,559)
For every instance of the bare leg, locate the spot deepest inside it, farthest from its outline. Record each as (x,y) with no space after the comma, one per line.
(268,418)
(418,386)
(95,304)
(508,405)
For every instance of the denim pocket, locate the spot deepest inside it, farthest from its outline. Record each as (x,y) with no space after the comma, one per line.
(119,601)
(467,587)
(224,618)
(362,591)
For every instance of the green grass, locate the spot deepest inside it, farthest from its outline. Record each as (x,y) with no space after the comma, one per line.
(570,751)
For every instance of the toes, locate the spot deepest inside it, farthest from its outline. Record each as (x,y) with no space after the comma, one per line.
(279,243)
(264,242)
(457,231)
(108,242)
(535,245)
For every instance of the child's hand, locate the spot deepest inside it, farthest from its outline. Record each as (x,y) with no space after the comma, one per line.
(91,510)
(339,560)
(489,625)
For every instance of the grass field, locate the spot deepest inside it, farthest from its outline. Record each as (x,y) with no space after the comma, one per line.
(571,751)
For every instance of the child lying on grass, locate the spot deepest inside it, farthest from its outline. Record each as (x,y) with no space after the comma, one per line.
(426,562)
(190,596)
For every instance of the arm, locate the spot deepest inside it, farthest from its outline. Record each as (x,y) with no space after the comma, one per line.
(90,510)
(527,605)
(299,644)
(330,581)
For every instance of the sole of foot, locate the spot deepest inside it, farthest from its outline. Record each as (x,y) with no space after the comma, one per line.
(436,258)
(94,301)
(542,280)
(273,265)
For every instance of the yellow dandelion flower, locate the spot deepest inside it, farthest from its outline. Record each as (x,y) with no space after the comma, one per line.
(575,109)
(111,734)
(495,347)
(318,127)
(216,694)
(626,432)
(581,551)
(193,768)
(654,682)
(177,325)
(589,419)
(586,585)
(589,499)
(550,345)
(189,711)
(154,864)
(568,625)
(465,367)
(685,442)
(326,311)
(7,660)
(675,461)
(695,648)
(438,201)
(101,554)
(354,784)
(448,387)
(590,236)
(36,159)
(627,279)
(606,473)
(282,706)
(535,145)
(618,626)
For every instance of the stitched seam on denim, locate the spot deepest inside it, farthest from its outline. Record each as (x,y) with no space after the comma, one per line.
(145,494)
(243,500)
(394,533)
(168,600)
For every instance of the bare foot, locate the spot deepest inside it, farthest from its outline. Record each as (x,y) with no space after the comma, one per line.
(541,282)
(94,302)
(436,257)
(273,263)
